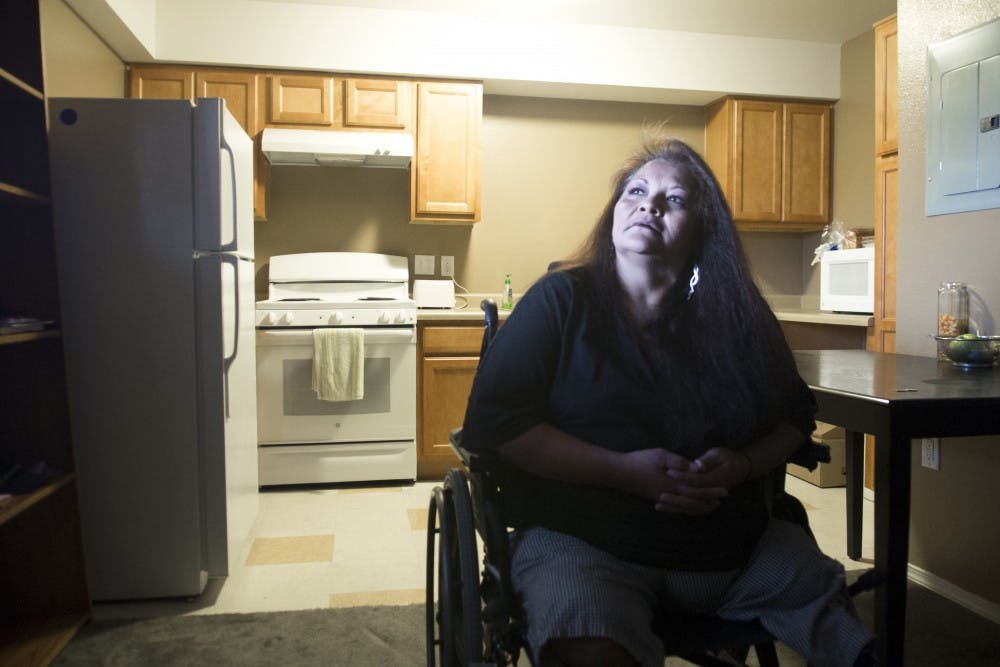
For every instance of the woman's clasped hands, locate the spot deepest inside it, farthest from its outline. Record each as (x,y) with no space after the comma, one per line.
(677,484)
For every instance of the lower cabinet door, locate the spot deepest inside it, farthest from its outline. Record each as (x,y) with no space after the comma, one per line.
(447,382)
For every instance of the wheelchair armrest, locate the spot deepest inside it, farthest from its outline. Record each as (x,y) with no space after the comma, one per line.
(474,461)
(810,455)
(455,440)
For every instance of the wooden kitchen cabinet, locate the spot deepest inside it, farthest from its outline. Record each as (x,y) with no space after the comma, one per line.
(237,88)
(819,336)
(377,103)
(772,158)
(449,355)
(240,90)
(42,577)
(886,203)
(882,334)
(882,337)
(154,82)
(886,74)
(445,116)
(296,99)
(445,175)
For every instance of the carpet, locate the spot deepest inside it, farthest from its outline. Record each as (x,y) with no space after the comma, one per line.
(939,633)
(385,636)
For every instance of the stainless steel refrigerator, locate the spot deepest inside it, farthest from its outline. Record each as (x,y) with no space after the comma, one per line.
(153,206)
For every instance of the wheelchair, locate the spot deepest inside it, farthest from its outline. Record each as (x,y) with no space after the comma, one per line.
(472,614)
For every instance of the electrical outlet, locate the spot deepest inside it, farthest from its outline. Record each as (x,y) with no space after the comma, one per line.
(930,453)
(423,265)
(447,266)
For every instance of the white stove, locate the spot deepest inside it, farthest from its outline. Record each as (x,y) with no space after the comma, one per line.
(335,314)
(306,440)
(337,289)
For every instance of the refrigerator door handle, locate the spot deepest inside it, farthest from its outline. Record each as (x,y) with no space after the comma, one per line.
(236,213)
(228,360)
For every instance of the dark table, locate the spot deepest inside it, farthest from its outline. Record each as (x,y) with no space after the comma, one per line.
(896,398)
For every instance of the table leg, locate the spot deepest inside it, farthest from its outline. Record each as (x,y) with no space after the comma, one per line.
(892,535)
(854,458)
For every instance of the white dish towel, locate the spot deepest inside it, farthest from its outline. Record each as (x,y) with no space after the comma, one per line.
(338,372)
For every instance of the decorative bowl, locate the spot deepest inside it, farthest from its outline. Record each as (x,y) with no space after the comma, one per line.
(971,350)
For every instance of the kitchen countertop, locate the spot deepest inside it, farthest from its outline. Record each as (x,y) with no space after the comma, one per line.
(822,317)
(471,310)
(440,314)
(473,313)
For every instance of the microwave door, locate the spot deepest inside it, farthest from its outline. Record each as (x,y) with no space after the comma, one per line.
(847,281)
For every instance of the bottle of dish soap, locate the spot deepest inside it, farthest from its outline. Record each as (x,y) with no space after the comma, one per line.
(507,298)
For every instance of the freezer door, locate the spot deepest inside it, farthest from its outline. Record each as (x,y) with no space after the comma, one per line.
(223,171)
(227,417)
(121,177)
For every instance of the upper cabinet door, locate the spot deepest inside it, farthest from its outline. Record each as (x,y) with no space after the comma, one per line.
(162,83)
(757,167)
(377,103)
(772,159)
(300,100)
(445,172)
(886,86)
(238,89)
(806,159)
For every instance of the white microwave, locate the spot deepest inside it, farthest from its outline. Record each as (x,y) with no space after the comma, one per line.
(847,280)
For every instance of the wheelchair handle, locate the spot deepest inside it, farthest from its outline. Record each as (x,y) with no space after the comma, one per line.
(489,307)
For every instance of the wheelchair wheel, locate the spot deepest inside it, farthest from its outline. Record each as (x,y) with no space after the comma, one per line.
(458,614)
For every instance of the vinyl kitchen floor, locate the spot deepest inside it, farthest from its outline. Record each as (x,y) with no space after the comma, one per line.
(351,545)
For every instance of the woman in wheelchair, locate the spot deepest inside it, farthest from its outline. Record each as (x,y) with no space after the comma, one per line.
(636,402)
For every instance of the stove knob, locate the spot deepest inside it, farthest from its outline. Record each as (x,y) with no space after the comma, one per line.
(267,318)
(287,318)
(400,317)
(383,317)
(336,318)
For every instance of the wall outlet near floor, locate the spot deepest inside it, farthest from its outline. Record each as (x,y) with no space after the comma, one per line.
(423,265)
(930,453)
(447,266)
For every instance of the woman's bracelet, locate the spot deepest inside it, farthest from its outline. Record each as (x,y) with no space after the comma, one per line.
(749,464)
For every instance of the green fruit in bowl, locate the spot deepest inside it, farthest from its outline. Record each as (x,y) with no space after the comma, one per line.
(968,348)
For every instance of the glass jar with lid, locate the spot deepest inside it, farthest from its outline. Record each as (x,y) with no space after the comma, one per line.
(953,309)
(953,312)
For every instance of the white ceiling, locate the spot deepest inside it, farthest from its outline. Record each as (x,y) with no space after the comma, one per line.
(829,21)
(658,51)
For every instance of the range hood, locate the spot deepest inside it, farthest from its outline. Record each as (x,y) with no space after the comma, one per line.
(338,148)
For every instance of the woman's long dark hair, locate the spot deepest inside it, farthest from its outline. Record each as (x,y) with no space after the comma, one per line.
(726,331)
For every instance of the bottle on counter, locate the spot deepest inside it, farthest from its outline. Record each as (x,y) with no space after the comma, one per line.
(507,296)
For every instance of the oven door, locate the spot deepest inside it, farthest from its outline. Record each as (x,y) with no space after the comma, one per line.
(288,411)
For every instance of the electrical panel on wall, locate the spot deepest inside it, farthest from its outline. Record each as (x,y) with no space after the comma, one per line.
(963,122)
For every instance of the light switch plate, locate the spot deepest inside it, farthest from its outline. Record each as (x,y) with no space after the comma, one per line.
(423,265)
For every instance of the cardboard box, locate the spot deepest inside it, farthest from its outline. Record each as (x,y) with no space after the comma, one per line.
(829,474)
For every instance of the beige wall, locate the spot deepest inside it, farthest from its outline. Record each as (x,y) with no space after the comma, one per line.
(547,167)
(77,62)
(546,173)
(954,530)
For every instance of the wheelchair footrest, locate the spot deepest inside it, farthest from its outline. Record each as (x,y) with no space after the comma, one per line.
(866,582)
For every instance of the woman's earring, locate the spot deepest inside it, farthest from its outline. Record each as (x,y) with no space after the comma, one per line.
(693,281)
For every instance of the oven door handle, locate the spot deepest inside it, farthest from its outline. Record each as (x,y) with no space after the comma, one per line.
(383,336)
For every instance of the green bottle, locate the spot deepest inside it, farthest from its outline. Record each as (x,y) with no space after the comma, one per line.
(507,299)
